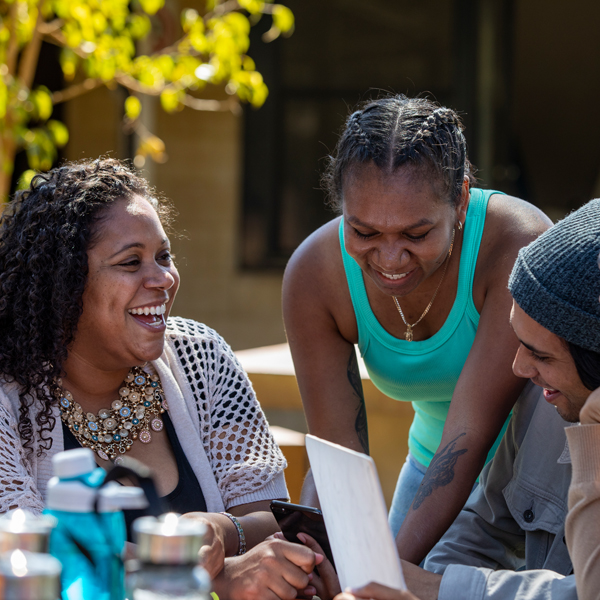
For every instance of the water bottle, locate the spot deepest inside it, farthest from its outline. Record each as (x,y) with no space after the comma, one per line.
(89,537)
(167,548)
(29,576)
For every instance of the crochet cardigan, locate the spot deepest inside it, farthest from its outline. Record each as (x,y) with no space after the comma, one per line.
(218,421)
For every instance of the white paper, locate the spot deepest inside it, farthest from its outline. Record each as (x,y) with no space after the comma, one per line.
(355,515)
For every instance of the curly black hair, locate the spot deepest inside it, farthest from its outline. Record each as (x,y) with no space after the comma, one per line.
(45,234)
(395,131)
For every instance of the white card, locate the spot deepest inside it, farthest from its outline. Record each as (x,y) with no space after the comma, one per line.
(355,515)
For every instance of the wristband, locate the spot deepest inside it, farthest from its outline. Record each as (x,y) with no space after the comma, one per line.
(240,531)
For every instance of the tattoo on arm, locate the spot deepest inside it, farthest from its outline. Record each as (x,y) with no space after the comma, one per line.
(440,472)
(361,417)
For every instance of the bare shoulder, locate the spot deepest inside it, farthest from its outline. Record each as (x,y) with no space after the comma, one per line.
(316,265)
(513,222)
(510,224)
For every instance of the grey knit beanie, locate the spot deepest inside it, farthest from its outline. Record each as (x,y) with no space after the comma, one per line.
(556,279)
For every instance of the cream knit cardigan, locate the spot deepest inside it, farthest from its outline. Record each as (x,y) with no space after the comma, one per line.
(219,424)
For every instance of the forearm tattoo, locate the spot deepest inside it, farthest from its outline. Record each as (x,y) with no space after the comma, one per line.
(361,417)
(440,472)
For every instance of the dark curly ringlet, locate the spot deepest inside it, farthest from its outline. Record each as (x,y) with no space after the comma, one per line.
(396,131)
(45,233)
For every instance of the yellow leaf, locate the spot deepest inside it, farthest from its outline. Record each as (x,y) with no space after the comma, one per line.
(25,179)
(43,103)
(133,108)
(151,7)
(283,18)
(169,100)
(189,18)
(248,64)
(58,132)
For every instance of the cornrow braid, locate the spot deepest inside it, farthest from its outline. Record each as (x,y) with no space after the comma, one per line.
(45,233)
(355,128)
(395,131)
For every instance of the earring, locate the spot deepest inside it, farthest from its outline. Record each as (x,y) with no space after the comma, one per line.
(459,226)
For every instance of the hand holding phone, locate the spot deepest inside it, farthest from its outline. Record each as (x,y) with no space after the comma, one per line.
(295,518)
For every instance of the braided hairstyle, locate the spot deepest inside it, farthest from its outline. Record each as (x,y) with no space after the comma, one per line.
(45,233)
(396,131)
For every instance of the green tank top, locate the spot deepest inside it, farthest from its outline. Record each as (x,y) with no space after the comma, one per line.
(424,373)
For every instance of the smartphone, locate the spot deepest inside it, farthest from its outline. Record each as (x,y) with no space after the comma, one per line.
(295,518)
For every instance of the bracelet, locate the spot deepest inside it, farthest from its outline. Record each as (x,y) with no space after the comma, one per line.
(240,531)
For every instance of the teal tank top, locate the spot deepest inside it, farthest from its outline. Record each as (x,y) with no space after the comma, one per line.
(424,373)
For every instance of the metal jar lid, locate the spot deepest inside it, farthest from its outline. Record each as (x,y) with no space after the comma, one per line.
(29,576)
(20,529)
(168,539)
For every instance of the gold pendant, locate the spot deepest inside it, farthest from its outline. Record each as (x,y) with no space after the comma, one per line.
(408,336)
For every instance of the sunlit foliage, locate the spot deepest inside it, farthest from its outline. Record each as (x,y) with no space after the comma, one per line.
(101,42)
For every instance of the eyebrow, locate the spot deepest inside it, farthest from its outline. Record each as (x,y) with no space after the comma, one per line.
(135,245)
(420,223)
(534,349)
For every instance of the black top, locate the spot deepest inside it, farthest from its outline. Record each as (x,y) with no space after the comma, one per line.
(187,495)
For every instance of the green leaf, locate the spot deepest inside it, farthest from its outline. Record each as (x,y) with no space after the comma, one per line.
(133,108)
(58,132)
(283,18)
(214,596)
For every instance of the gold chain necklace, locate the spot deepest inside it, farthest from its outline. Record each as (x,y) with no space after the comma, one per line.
(112,431)
(408,336)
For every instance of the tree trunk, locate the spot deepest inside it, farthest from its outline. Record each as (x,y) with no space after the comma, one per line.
(8,151)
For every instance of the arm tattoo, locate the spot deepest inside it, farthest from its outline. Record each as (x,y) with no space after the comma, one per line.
(440,472)
(361,417)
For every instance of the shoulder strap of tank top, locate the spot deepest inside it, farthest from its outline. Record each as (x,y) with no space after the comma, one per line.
(356,286)
(473,232)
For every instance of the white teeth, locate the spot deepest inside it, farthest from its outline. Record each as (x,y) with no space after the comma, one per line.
(399,276)
(149,310)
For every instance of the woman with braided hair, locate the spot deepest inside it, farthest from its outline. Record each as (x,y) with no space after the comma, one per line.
(89,357)
(415,272)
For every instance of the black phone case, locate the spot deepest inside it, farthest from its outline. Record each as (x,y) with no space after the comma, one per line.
(294,519)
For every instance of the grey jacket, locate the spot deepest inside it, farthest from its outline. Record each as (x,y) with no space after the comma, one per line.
(509,539)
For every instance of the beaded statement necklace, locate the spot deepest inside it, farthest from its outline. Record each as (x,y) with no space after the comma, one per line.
(111,432)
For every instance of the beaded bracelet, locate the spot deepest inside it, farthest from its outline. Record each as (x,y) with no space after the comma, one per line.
(241,536)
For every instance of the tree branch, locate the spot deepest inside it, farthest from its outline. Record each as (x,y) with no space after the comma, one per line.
(76,90)
(31,53)
(232,104)
(13,45)
(222,9)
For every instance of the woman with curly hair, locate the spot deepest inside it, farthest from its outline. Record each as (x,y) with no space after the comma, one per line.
(89,357)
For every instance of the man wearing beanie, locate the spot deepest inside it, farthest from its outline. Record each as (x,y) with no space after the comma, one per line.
(509,540)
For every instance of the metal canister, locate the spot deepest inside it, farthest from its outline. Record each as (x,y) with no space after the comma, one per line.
(22,530)
(29,576)
(168,540)
(167,549)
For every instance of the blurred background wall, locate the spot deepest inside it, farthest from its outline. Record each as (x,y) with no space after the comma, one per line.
(522,72)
